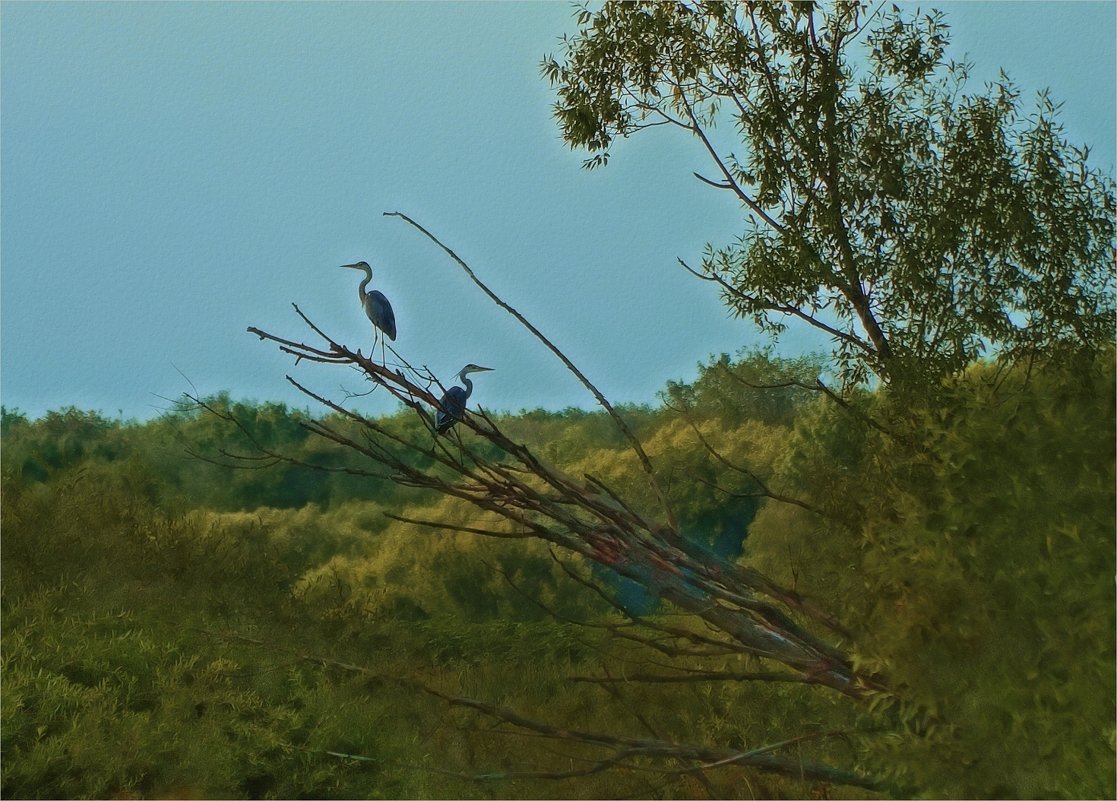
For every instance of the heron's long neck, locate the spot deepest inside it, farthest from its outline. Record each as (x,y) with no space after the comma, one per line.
(361,288)
(468,385)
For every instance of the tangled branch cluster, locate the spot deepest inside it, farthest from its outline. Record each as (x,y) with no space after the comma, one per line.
(744,612)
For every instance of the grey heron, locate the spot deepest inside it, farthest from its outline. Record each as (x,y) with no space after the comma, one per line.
(376,305)
(452,406)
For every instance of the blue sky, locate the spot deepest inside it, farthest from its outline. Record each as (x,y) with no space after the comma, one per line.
(171,173)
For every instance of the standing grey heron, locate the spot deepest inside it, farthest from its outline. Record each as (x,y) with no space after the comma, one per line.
(376,306)
(452,406)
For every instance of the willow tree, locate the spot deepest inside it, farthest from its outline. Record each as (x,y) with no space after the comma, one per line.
(921,225)
(918,226)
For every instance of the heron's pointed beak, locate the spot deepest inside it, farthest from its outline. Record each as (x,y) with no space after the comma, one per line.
(482,370)
(354,266)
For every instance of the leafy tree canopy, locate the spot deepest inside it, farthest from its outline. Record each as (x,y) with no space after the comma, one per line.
(918,225)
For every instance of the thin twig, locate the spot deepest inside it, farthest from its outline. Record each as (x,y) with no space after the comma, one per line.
(608,407)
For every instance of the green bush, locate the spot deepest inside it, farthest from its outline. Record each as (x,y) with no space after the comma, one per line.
(972,554)
(165,635)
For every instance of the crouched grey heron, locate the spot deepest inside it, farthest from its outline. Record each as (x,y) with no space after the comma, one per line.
(452,406)
(376,305)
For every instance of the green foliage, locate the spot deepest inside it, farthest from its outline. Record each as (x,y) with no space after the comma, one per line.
(187,457)
(754,386)
(973,556)
(174,626)
(966,532)
(919,226)
(154,643)
(58,441)
(130,570)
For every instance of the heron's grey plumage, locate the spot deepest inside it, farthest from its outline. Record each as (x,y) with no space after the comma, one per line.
(451,408)
(375,303)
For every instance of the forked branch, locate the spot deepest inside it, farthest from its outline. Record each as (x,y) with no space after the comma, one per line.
(734,609)
(645,462)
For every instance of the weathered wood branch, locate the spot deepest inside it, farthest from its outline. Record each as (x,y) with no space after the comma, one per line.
(586,517)
(617,750)
(601,399)
(736,610)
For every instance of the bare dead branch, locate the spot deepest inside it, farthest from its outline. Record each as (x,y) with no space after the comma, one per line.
(714,184)
(777,307)
(743,608)
(853,410)
(694,676)
(731,183)
(618,749)
(764,489)
(602,401)
(484,532)
(625,748)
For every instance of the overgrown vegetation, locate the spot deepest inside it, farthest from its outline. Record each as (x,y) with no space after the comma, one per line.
(170,630)
(767,585)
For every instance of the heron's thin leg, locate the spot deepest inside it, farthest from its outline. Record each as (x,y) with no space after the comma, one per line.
(377,337)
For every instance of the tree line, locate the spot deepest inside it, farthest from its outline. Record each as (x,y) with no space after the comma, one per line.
(886,570)
(280,636)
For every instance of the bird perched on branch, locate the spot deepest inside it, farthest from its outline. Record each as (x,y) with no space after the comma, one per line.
(452,406)
(376,305)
